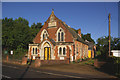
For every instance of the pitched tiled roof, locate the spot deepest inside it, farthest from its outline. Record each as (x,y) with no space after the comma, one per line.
(74,34)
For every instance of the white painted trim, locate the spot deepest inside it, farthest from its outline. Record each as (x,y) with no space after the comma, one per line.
(43,33)
(42,47)
(62,46)
(60,35)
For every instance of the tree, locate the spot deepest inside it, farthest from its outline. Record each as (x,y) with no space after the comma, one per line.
(103,46)
(16,33)
(7,27)
(35,28)
(88,37)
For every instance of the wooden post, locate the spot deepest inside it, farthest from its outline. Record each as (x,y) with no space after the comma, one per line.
(7,58)
(109,34)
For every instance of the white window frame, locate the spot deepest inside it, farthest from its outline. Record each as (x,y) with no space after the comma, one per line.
(43,33)
(62,51)
(60,35)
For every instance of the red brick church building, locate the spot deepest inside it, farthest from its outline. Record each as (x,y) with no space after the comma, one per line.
(57,41)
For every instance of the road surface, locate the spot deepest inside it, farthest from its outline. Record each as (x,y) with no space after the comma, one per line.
(12,71)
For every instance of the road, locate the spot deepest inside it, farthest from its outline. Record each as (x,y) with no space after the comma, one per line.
(11,71)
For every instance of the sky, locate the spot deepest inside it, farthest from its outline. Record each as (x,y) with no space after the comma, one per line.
(91,17)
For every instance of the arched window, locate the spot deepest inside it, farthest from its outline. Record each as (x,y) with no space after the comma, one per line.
(60,51)
(60,35)
(64,51)
(44,34)
(36,51)
(33,50)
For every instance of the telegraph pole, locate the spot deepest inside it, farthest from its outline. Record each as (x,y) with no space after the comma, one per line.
(109,34)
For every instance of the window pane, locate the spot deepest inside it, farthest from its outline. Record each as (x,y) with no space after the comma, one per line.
(33,50)
(60,29)
(36,50)
(46,35)
(62,36)
(43,36)
(64,51)
(58,36)
(60,51)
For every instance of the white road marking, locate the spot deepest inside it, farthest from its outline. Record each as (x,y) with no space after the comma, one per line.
(47,72)
(62,75)
(56,74)
(11,66)
(6,76)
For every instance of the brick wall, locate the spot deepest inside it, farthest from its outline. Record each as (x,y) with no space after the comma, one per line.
(84,52)
(52,33)
(49,62)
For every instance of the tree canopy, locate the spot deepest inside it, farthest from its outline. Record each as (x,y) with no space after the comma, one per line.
(103,45)
(17,33)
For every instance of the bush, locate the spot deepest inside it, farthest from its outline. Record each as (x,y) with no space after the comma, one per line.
(98,53)
(116,60)
(78,60)
(19,53)
(73,62)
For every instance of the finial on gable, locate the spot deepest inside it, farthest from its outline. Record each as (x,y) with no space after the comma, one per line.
(52,11)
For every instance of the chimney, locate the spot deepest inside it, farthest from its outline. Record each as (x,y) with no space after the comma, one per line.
(69,26)
(79,32)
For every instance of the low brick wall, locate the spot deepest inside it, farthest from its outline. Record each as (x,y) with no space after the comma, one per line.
(12,61)
(49,62)
(99,64)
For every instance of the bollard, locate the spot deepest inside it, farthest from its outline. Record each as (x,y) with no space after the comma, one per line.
(7,58)
(24,60)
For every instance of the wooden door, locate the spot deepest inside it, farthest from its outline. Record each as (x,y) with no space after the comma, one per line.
(47,53)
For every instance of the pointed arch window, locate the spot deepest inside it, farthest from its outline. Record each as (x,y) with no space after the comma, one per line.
(33,50)
(36,51)
(64,51)
(60,51)
(44,35)
(60,35)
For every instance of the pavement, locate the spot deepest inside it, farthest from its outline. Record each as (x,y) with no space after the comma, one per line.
(20,72)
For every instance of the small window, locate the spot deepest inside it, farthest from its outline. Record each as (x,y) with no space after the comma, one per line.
(58,36)
(60,51)
(36,51)
(64,51)
(60,29)
(62,36)
(33,50)
(43,36)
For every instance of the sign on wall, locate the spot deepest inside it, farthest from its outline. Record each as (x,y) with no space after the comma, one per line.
(11,52)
